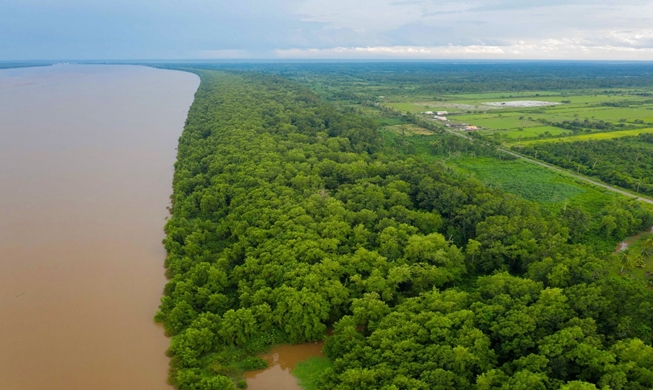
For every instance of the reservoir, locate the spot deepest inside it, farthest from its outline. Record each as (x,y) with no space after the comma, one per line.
(86,165)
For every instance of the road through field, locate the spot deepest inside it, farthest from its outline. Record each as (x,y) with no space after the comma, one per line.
(580,177)
(566,172)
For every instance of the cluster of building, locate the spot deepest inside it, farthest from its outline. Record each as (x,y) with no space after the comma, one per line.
(441,116)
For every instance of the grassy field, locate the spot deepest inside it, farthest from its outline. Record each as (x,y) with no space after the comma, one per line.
(622,109)
(415,107)
(529,132)
(550,189)
(497,121)
(308,371)
(407,130)
(593,136)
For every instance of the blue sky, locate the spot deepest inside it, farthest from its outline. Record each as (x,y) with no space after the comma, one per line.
(321,29)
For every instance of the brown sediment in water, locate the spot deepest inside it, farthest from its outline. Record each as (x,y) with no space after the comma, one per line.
(281,362)
(86,157)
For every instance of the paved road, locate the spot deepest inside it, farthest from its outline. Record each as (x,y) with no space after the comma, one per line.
(566,172)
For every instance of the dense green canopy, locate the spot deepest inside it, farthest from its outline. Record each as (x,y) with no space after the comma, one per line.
(289,217)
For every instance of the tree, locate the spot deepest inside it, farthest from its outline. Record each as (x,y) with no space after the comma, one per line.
(626,260)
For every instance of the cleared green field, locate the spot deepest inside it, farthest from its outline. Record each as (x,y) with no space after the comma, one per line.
(527,125)
(550,189)
(587,97)
(407,130)
(532,132)
(506,95)
(608,114)
(497,121)
(417,107)
(586,137)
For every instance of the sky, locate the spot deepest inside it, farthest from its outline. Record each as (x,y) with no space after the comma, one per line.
(326,29)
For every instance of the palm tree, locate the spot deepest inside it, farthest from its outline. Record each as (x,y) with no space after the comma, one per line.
(647,251)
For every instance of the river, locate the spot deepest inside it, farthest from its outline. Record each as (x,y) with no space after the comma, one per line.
(86,165)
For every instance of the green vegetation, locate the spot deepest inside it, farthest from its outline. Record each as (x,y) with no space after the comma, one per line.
(453,340)
(636,259)
(25,64)
(595,136)
(291,215)
(583,113)
(309,371)
(550,189)
(625,162)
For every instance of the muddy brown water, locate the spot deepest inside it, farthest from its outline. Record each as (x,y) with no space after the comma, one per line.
(281,361)
(86,164)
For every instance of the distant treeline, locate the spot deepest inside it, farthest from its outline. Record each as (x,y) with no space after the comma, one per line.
(26,64)
(427,78)
(290,217)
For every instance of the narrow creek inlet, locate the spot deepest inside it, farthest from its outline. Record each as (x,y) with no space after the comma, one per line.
(86,165)
(281,362)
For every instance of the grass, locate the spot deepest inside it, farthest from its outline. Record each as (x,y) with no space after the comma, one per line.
(415,107)
(593,136)
(506,122)
(550,189)
(515,135)
(309,371)
(407,130)
(497,121)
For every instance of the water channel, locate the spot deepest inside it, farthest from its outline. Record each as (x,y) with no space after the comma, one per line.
(281,362)
(86,164)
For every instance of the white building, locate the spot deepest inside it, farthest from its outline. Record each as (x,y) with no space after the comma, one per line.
(441,118)
(428,113)
(442,113)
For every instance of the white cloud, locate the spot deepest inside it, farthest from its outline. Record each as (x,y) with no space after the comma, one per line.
(637,38)
(210,29)
(566,48)
(362,23)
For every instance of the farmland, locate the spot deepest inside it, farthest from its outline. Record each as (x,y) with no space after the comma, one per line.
(593,136)
(551,190)
(625,111)
(572,114)
(626,162)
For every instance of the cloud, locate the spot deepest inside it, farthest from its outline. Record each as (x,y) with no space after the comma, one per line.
(548,49)
(636,39)
(139,29)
